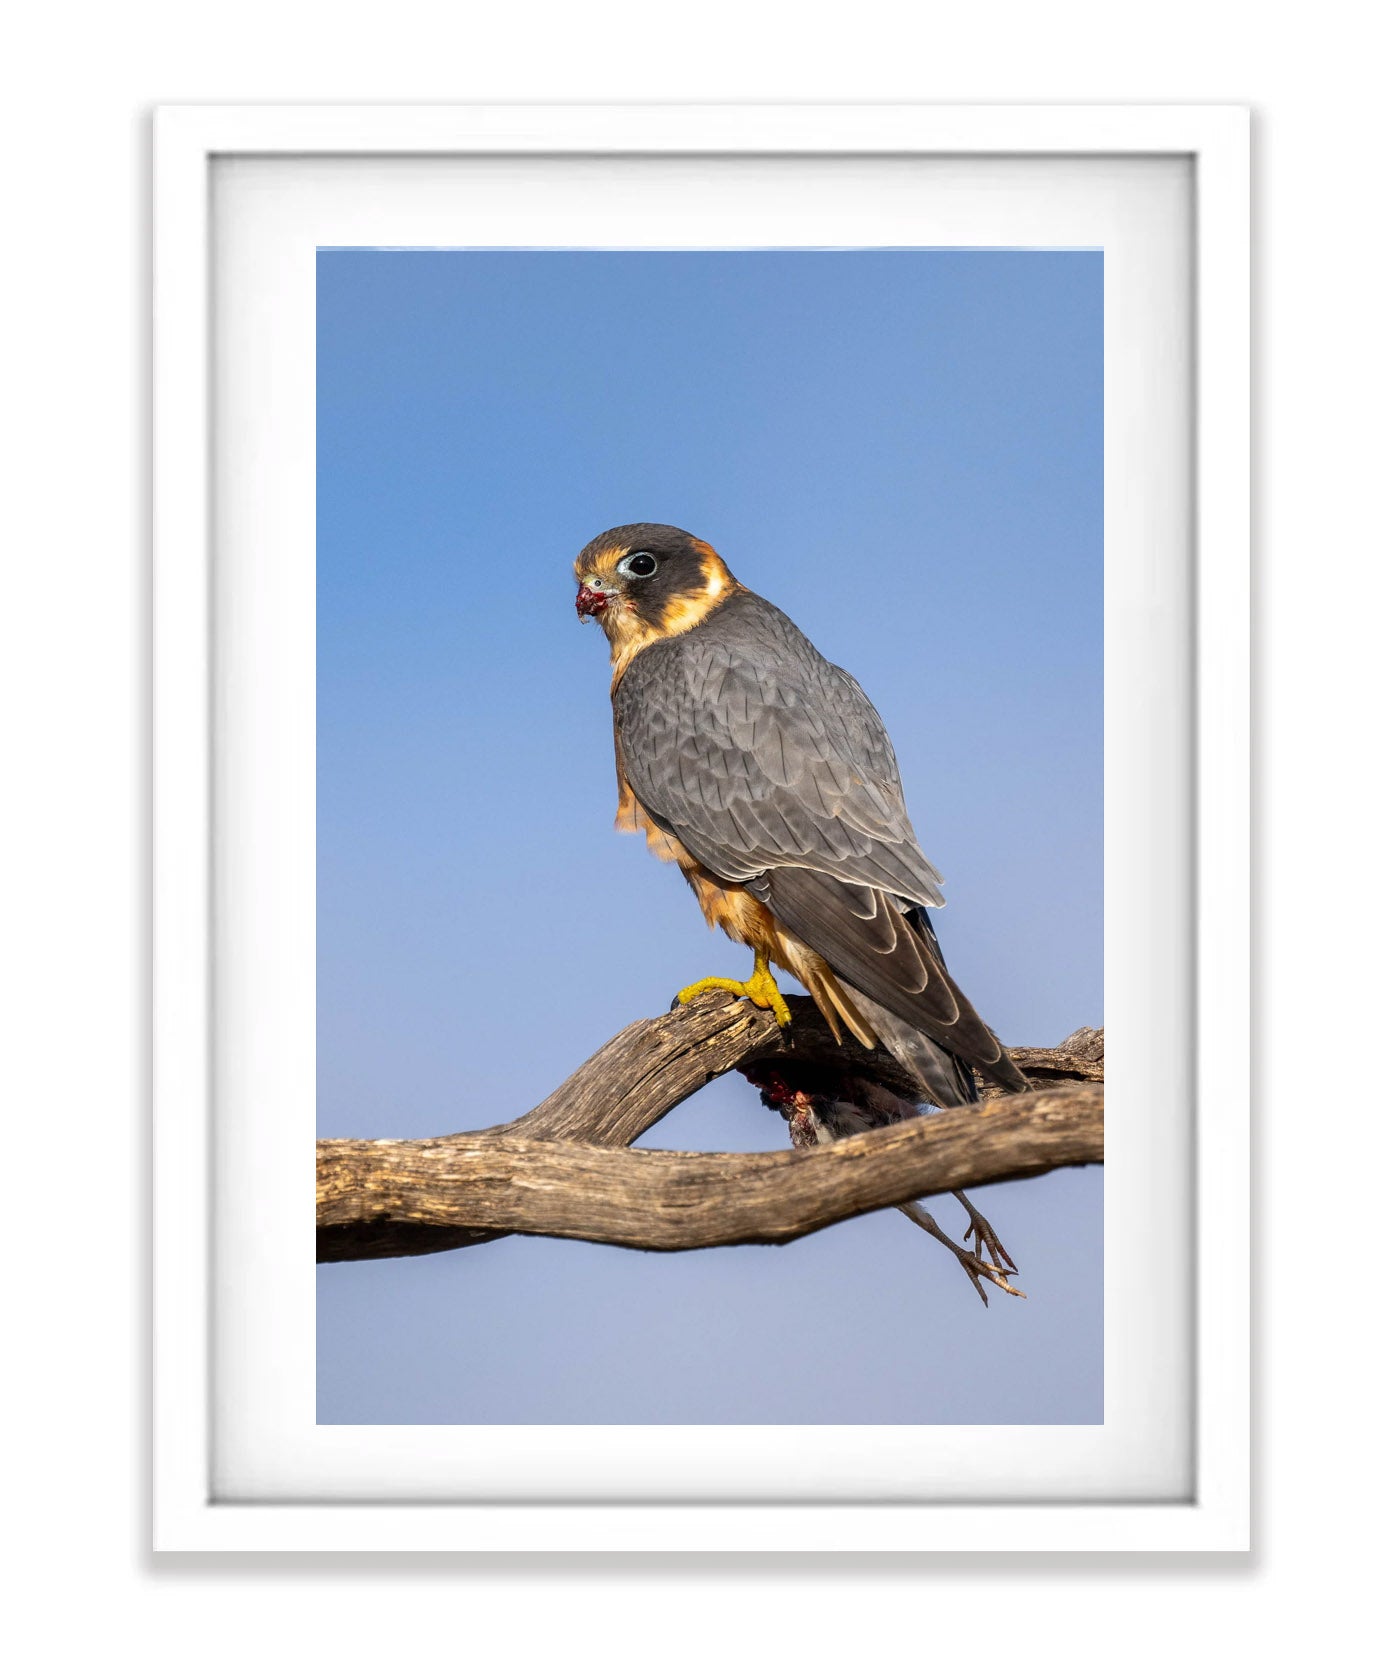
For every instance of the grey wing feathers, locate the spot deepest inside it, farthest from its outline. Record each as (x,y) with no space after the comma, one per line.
(891,955)
(757,752)
(947,1078)
(772,768)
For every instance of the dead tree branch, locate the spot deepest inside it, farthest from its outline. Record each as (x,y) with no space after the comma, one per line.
(565,1168)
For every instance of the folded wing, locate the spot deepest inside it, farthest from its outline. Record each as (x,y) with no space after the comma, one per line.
(771,766)
(758,754)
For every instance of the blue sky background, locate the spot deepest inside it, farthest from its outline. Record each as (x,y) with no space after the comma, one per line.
(903,449)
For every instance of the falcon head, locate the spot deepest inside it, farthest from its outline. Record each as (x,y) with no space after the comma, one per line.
(648,580)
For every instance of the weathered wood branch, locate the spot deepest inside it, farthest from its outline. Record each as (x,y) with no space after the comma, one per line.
(666,1199)
(565,1169)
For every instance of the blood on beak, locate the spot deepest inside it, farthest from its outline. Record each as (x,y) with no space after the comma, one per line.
(588,603)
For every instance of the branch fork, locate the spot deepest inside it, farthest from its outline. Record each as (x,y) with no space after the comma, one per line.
(567,1169)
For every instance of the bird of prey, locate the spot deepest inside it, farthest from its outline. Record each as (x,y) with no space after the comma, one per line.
(766,774)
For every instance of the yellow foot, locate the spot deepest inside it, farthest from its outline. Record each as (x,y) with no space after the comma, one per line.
(760,987)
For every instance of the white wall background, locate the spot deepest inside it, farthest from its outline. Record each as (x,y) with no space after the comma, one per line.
(77,84)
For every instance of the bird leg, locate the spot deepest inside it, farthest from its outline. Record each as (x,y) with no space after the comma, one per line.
(761,988)
(854,1106)
(985,1237)
(975,1267)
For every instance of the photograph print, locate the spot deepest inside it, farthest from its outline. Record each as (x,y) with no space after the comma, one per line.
(710,836)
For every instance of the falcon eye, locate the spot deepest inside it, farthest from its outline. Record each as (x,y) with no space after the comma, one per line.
(638,565)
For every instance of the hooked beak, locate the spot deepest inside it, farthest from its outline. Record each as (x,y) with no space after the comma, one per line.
(588,603)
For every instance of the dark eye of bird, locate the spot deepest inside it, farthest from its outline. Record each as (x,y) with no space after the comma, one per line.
(639,565)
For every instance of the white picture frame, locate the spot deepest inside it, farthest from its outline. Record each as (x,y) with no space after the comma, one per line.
(193,1400)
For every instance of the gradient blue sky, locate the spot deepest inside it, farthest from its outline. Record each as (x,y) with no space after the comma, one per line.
(903,449)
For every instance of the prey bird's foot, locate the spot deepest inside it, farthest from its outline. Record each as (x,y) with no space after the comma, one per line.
(760,988)
(973,1265)
(980,1230)
(978,1269)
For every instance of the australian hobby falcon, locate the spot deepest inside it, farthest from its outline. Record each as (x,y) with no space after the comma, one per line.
(766,774)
